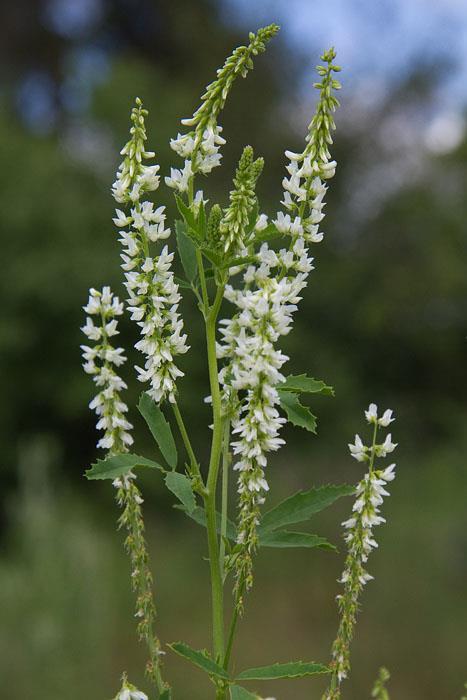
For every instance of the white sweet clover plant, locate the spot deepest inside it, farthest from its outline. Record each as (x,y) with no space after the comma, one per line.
(248,273)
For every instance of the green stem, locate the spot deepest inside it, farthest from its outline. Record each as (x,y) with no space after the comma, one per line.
(186,440)
(210,499)
(225,493)
(373,444)
(233,625)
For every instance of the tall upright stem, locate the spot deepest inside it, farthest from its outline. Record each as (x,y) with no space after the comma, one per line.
(216,446)
(217,593)
(225,492)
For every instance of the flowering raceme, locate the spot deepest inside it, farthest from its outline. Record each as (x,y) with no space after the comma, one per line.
(100,361)
(266,304)
(248,272)
(153,295)
(111,410)
(360,540)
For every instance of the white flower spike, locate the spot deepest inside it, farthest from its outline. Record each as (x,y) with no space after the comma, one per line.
(99,362)
(360,542)
(153,295)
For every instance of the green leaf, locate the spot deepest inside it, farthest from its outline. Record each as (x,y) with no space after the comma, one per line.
(213,256)
(116,465)
(286,539)
(182,283)
(294,669)
(302,384)
(160,429)
(302,505)
(269,233)
(239,693)
(187,214)
(235,262)
(180,485)
(166,694)
(199,516)
(199,659)
(187,251)
(297,414)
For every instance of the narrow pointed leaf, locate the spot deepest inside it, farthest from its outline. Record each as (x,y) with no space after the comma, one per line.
(187,214)
(239,693)
(116,465)
(160,429)
(302,384)
(180,486)
(294,669)
(182,283)
(199,659)
(187,251)
(302,506)
(297,414)
(236,262)
(286,539)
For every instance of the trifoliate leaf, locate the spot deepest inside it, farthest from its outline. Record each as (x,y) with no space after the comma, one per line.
(160,429)
(180,485)
(199,659)
(294,669)
(116,465)
(187,251)
(302,384)
(285,539)
(302,505)
(297,414)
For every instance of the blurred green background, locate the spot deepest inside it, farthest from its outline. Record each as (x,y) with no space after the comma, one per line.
(384,319)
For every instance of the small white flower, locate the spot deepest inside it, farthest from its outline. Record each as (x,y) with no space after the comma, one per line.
(386,418)
(282,222)
(261,223)
(387,446)
(121,219)
(138,695)
(388,473)
(179,179)
(372,413)
(358,450)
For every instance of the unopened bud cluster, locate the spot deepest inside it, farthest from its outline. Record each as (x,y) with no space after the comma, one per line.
(200,146)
